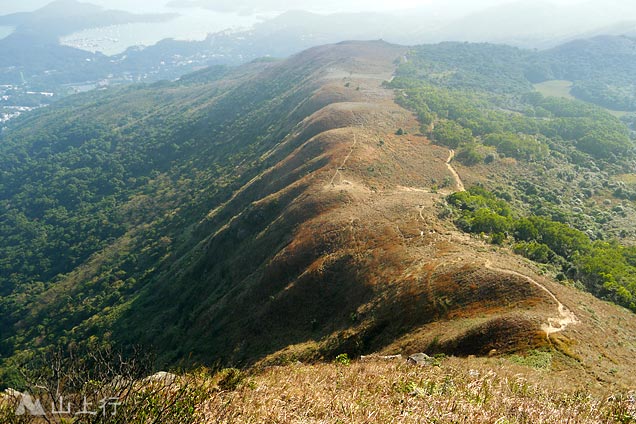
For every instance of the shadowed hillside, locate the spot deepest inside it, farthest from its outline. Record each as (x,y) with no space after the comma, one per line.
(278,211)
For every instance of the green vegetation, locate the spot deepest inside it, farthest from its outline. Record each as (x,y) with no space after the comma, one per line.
(523,131)
(478,98)
(602,70)
(102,192)
(610,96)
(343,359)
(607,269)
(488,67)
(599,70)
(520,146)
(535,359)
(451,134)
(469,154)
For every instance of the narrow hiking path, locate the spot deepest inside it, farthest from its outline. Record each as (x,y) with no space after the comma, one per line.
(344,162)
(555,324)
(458,181)
(565,316)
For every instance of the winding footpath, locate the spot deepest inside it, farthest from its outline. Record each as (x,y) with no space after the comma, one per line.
(555,324)
(458,180)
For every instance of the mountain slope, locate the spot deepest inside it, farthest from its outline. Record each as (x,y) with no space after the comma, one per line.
(269,213)
(602,69)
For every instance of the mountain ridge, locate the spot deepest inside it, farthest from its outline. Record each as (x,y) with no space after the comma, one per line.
(281,214)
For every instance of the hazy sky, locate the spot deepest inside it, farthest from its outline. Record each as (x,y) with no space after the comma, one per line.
(357,5)
(528,23)
(10,6)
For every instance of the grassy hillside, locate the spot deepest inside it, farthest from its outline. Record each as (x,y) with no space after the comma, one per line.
(453,390)
(293,210)
(519,389)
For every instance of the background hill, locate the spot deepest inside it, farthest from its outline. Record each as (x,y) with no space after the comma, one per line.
(542,25)
(68,46)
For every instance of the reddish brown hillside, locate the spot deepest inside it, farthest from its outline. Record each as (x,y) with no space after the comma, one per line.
(343,250)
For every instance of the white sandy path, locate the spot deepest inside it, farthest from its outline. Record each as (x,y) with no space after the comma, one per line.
(555,324)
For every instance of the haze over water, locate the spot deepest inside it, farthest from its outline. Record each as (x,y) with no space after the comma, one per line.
(193,24)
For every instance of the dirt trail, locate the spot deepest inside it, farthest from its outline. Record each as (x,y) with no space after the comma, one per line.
(458,180)
(554,325)
(344,162)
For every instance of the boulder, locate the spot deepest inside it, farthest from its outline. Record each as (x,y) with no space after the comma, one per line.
(420,359)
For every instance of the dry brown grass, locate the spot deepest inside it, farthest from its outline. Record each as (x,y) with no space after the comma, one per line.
(471,390)
(349,253)
(455,391)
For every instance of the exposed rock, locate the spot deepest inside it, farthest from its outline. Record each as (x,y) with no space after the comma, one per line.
(420,359)
(384,357)
(163,377)
(391,357)
(12,393)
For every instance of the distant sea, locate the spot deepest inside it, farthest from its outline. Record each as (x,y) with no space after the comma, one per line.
(5,31)
(193,24)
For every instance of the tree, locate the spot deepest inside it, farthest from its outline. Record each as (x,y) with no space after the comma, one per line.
(451,134)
